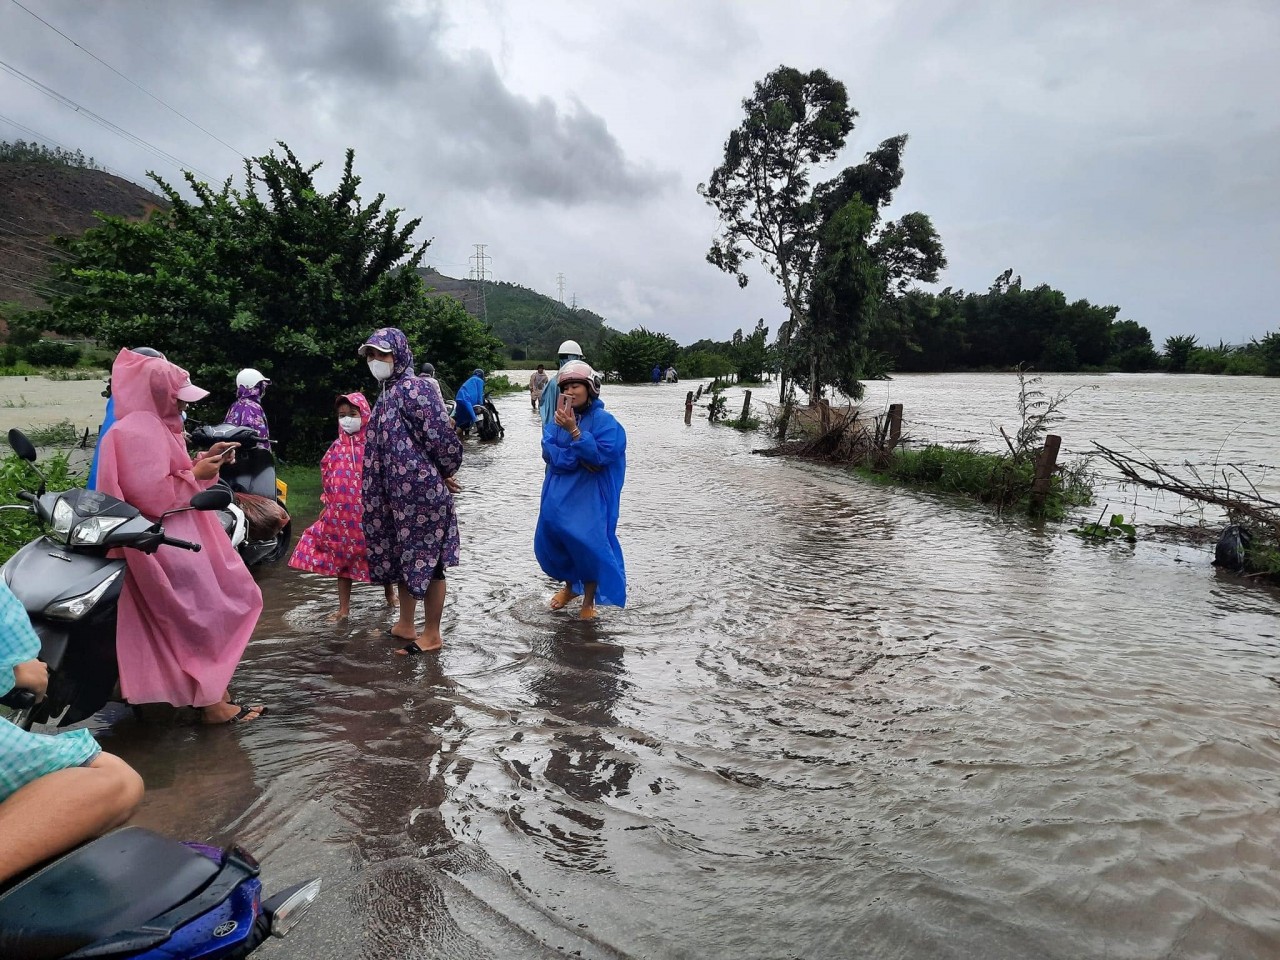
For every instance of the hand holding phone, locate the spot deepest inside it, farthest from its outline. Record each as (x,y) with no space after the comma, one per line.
(566,403)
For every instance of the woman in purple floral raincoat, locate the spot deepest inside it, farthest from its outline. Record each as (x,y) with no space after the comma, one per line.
(411,454)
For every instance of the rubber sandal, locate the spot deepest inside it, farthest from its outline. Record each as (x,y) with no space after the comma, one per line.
(245,710)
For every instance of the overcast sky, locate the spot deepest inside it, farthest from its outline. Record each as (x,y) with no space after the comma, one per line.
(1126,153)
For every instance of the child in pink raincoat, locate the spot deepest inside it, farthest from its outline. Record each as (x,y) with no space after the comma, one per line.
(184,618)
(334,545)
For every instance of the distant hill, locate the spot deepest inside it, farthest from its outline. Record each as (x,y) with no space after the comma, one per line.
(40,200)
(531,325)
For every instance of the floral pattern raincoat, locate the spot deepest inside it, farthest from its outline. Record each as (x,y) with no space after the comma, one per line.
(410,524)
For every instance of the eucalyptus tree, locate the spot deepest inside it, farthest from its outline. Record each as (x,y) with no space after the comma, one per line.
(768,210)
(794,122)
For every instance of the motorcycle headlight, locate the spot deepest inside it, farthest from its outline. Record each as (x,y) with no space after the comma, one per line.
(63,517)
(94,530)
(74,608)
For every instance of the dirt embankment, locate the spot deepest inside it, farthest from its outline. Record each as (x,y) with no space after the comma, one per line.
(39,201)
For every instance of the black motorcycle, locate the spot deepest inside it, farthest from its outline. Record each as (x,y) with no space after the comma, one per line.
(70,587)
(253,472)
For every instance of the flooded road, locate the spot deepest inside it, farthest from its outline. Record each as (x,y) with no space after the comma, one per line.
(837,720)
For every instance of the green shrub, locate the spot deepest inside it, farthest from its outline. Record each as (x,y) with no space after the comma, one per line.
(17,527)
(53,353)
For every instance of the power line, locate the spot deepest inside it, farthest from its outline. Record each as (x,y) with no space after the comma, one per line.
(127,80)
(100,120)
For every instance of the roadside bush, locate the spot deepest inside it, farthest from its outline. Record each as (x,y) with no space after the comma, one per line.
(17,527)
(52,353)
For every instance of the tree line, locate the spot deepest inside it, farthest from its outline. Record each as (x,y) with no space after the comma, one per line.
(278,275)
(21,151)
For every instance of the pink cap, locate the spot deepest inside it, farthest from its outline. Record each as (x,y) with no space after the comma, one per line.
(190,393)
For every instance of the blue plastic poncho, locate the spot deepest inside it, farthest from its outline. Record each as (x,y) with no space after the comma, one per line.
(108,418)
(469,396)
(577,536)
(550,397)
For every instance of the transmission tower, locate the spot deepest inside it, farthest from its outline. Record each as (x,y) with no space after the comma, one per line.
(480,273)
(560,287)
(574,304)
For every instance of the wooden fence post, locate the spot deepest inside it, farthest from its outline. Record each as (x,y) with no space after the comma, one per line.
(895,424)
(688,407)
(1046,463)
(746,406)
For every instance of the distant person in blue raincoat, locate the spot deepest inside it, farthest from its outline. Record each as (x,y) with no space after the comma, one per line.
(568,352)
(469,396)
(657,373)
(576,541)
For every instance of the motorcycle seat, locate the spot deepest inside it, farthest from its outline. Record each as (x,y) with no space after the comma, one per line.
(109,885)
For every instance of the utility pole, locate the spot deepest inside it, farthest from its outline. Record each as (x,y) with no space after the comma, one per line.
(560,287)
(479,273)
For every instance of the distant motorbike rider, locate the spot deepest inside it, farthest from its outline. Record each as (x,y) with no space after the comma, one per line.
(569,350)
(468,399)
(247,411)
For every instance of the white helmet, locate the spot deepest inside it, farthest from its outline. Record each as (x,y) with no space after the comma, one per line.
(570,348)
(249,377)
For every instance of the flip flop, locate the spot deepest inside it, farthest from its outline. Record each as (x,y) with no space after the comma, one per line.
(411,649)
(245,710)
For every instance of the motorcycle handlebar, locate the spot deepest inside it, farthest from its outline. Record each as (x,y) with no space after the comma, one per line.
(181,544)
(27,495)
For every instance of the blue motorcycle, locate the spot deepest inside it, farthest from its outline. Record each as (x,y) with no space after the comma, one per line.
(135,894)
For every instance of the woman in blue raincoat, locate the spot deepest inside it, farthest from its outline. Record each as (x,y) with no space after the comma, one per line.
(577,537)
(469,396)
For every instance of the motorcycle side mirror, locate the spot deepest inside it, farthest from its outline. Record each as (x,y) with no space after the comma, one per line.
(215,498)
(23,447)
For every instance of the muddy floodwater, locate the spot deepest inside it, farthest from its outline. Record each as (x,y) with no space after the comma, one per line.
(836,720)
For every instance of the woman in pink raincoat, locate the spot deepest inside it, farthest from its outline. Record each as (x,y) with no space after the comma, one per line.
(334,545)
(184,618)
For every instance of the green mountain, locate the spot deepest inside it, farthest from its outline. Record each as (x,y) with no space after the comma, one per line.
(531,325)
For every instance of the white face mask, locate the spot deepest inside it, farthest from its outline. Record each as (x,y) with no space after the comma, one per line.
(349,424)
(380,369)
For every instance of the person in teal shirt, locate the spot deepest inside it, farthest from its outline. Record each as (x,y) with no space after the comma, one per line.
(56,792)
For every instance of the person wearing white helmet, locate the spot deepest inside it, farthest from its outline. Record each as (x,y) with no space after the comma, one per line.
(247,411)
(569,351)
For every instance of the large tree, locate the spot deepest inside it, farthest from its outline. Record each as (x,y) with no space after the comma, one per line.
(794,122)
(768,209)
(280,276)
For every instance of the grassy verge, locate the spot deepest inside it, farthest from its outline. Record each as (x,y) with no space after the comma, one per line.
(995,479)
(501,384)
(304,490)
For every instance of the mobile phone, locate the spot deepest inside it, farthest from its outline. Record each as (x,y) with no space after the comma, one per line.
(566,402)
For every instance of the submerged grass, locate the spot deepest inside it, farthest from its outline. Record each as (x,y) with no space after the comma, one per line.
(999,480)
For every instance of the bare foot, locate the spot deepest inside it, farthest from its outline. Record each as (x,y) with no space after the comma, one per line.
(562,597)
(224,712)
(338,615)
(401,635)
(427,643)
(588,612)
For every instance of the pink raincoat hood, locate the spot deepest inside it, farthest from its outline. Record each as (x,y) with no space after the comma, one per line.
(358,401)
(147,385)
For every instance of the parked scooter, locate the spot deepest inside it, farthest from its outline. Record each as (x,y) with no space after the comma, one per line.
(254,472)
(135,894)
(70,588)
